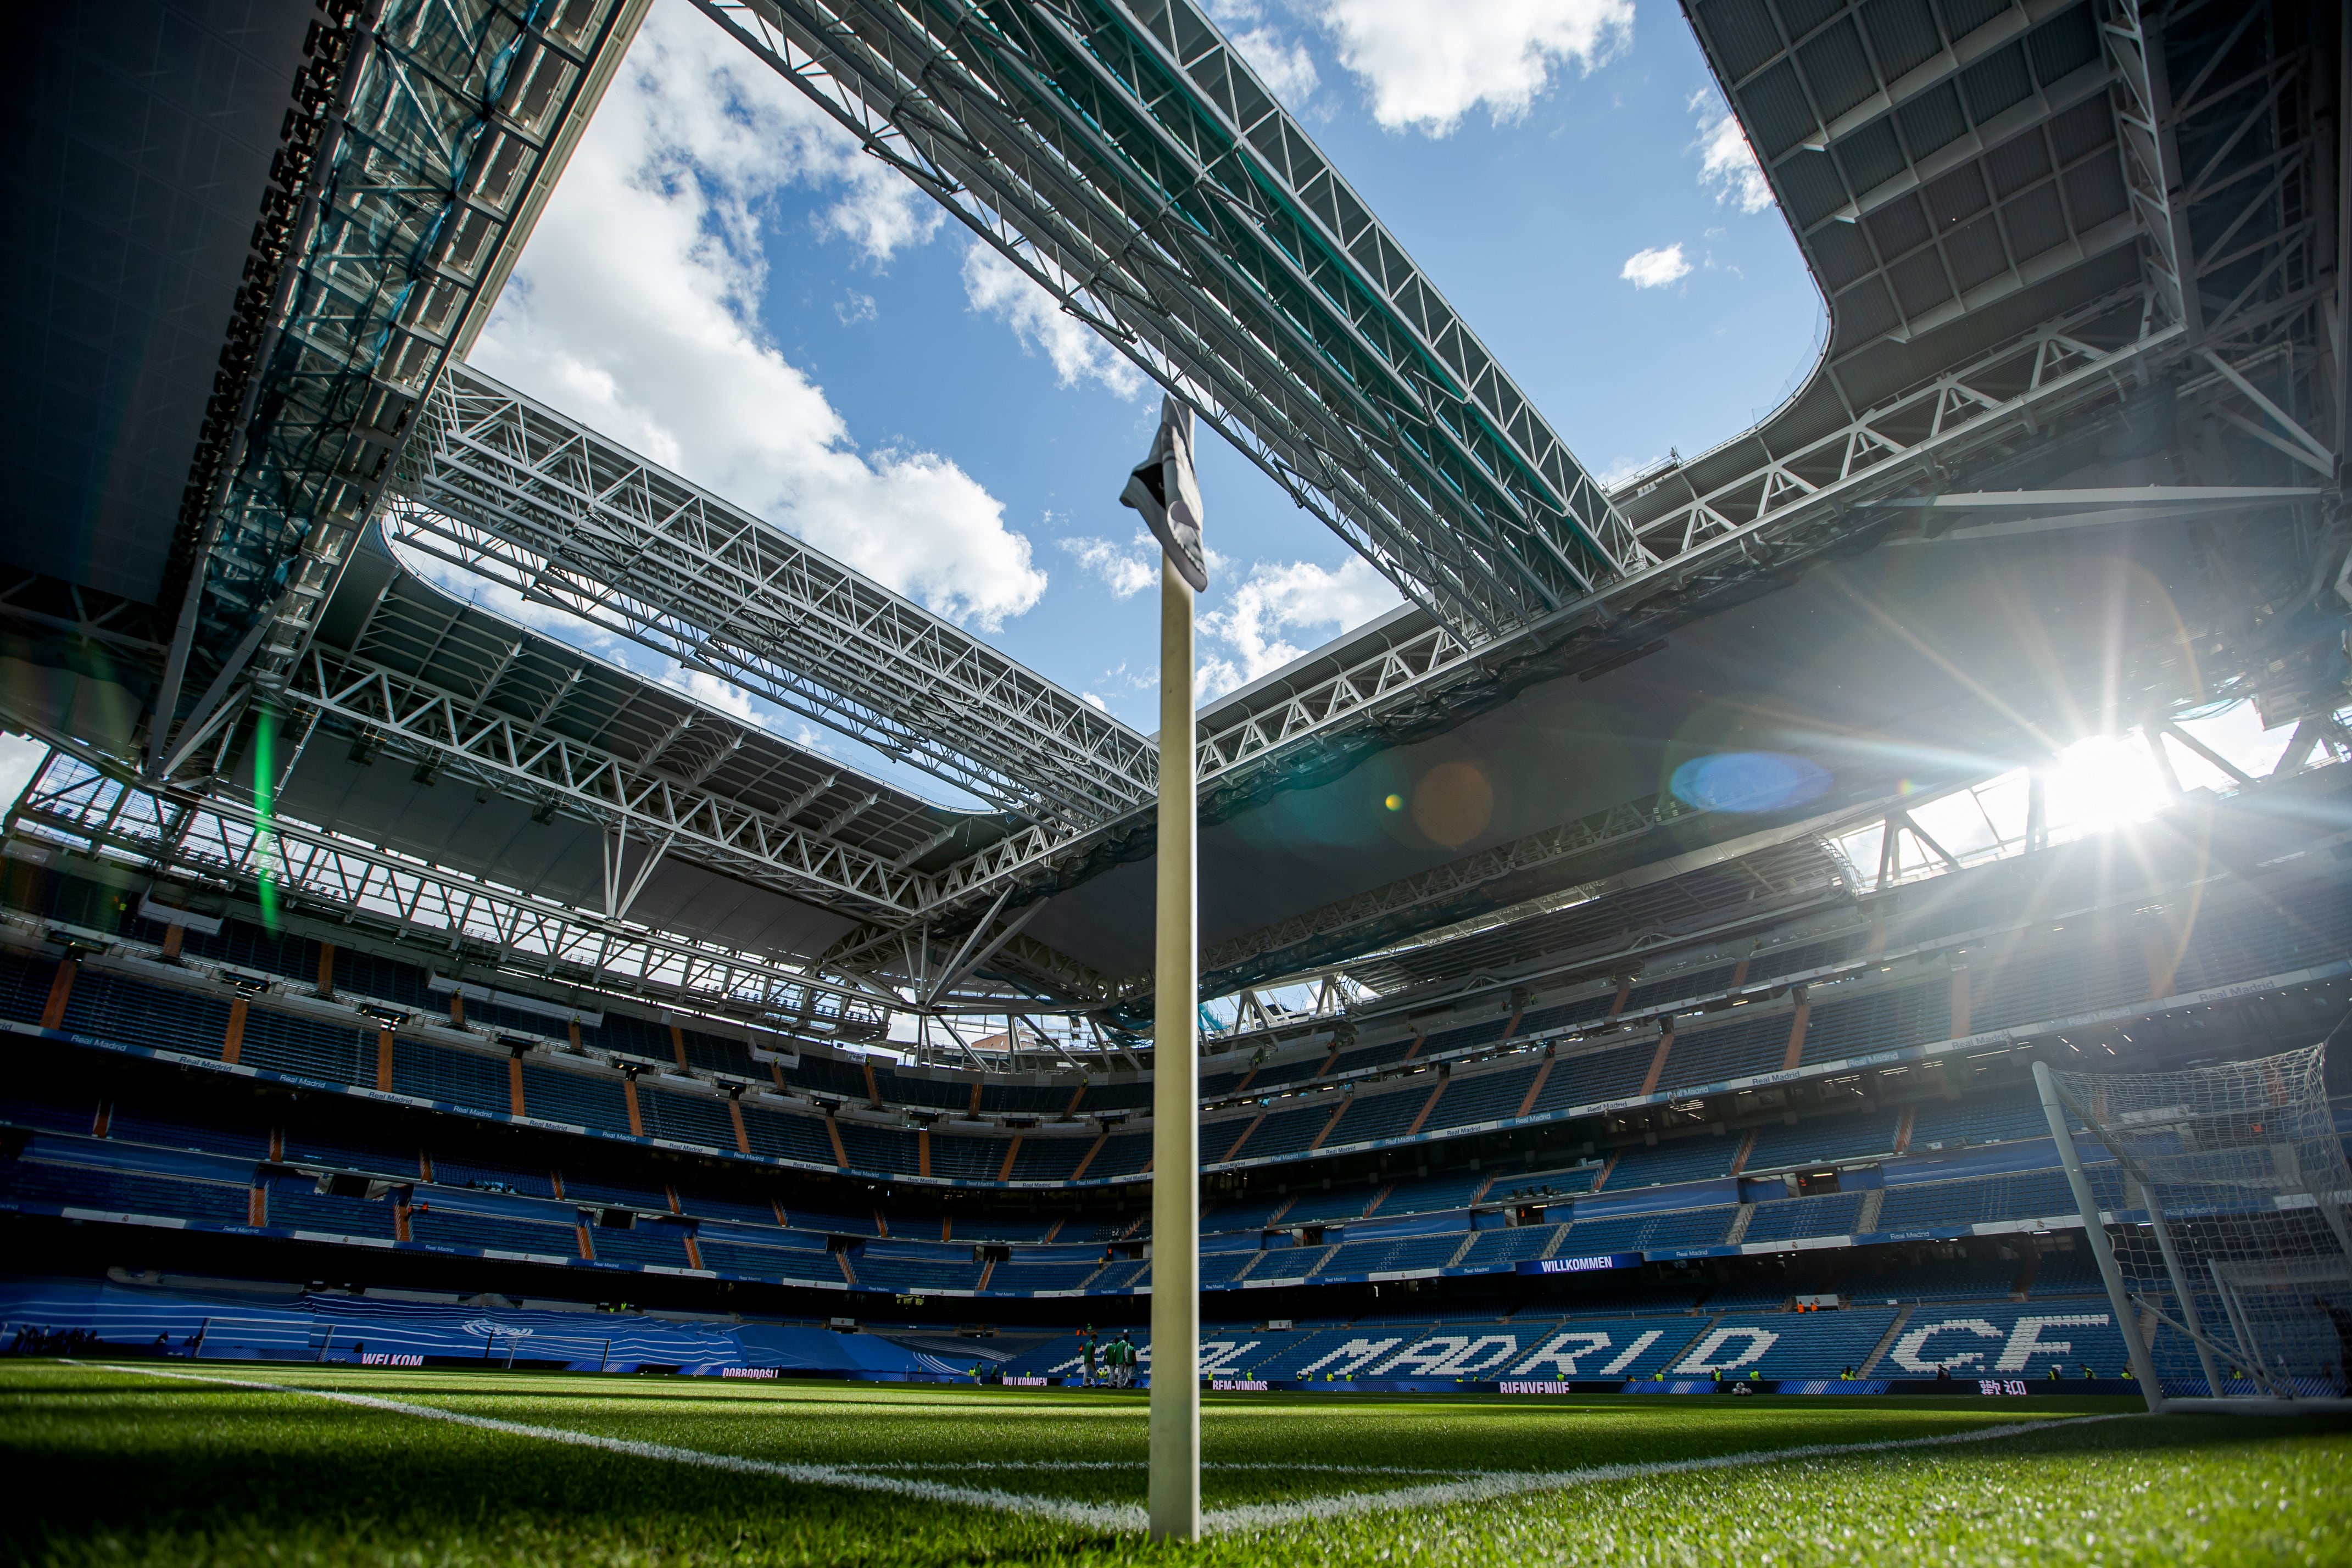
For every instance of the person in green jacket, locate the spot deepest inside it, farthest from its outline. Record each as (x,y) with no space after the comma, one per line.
(1086,1343)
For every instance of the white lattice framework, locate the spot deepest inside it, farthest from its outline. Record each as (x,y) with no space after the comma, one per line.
(1123,156)
(70,802)
(637,799)
(523,495)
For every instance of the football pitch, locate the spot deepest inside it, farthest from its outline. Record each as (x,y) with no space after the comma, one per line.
(225,1464)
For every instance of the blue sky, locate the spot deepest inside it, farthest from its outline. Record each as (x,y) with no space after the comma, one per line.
(724,282)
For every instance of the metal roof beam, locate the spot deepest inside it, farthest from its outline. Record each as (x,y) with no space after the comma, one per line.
(416,158)
(1121,156)
(521,493)
(220,841)
(599,786)
(1945,64)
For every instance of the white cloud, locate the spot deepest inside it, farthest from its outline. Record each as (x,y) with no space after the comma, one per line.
(1726,163)
(1429,62)
(1286,68)
(1126,570)
(997,288)
(724,695)
(636,308)
(1278,597)
(1656,268)
(854,308)
(1090,696)
(20,757)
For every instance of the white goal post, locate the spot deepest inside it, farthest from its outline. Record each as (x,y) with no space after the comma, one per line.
(2227,1254)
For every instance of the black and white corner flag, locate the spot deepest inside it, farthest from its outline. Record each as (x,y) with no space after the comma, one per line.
(1165,491)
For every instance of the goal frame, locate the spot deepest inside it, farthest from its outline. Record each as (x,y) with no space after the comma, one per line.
(2211,1355)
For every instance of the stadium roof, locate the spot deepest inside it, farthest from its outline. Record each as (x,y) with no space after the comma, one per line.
(2069,462)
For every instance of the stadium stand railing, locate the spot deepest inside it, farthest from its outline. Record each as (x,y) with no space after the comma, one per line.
(1958,1162)
(2020,972)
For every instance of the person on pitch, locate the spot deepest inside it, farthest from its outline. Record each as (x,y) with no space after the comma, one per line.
(2340,1320)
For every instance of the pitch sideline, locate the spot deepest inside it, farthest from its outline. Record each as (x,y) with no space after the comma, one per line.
(1132,1518)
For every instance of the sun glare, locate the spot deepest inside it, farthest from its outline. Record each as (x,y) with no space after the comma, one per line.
(2096,786)
(2106,782)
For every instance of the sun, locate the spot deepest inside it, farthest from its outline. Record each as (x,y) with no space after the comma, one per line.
(2105,782)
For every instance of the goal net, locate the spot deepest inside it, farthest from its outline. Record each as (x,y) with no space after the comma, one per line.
(2233,1241)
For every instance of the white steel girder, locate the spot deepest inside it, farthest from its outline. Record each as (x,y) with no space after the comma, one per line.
(1869,459)
(218,840)
(635,798)
(2029,379)
(1123,156)
(520,494)
(2057,366)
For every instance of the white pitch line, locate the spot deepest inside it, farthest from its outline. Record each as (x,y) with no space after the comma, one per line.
(1124,1517)
(1273,1515)
(1129,1517)
(960,1465)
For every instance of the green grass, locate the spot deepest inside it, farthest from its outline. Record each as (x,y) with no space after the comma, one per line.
(105,1468)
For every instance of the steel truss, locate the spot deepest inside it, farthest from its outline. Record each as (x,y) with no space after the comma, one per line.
(484,745)
(2223,157)
(2030,381)
(1761,520)
(1121,156)
(2251,225)
(1335,998)
(421,130)
(1820,490)
(71,801)
(523,495)
(892,957)
(2253,222)
(2066,365)
(2078,361)
(1119,153)
(1414,665)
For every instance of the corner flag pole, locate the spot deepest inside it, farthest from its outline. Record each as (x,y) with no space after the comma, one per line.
(1163,488)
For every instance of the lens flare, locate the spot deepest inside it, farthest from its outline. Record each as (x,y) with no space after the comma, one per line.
(1453,803)
(1748,781)
(265,815)
(1394,802)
